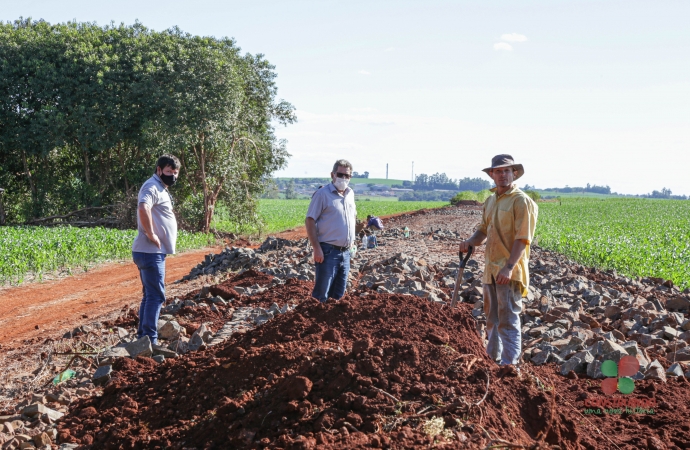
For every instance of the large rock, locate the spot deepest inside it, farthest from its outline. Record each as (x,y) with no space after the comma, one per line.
(38,409)
(675,370)
(682,355)
(200,337)
(540,358)
(159,350)
(574,364)
(655,371)
(686,325)
(115,352)
(170,330)
(608,346)
(613,312)
(180,345)
(42,439)
(594,370)
(671,333)
(678,303)
(102,375)
(140,347)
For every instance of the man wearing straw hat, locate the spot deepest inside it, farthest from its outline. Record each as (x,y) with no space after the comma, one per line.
(508,222)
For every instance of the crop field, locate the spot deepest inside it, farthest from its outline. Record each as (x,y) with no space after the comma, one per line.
(637,237)
(40,250)
(279,215)
(546,193)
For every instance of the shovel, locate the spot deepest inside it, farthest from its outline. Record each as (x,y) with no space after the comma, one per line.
(458,278)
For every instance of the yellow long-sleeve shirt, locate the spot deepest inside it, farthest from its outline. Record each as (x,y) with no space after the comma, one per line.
(506,218)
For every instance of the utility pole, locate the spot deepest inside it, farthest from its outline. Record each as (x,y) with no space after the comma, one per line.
(386,171)
(412,172)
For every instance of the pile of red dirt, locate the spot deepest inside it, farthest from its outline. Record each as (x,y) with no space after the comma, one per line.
(342,374)
(367,371)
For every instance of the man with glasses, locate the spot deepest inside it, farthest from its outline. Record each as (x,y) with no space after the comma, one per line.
(330,226)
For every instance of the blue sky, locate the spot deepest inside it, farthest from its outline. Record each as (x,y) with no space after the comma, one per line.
(578,91)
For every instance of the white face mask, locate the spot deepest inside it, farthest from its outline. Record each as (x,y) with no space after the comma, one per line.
(341,183)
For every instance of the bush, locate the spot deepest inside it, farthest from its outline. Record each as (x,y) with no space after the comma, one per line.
(534,195)
(464,195)
(483,195)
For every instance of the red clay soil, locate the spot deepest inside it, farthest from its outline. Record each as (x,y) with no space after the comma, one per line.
(42,309)
(323,368)
(322,375)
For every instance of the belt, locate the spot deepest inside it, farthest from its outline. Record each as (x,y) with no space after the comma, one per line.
(342,249)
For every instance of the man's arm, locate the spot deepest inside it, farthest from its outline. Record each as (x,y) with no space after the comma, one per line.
(516,252)
(310,224)
(147,223)
(477,239)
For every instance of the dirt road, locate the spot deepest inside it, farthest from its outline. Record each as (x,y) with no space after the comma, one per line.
(42,309)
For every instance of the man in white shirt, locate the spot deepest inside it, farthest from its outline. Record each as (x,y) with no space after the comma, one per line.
(156,238)
(330,226)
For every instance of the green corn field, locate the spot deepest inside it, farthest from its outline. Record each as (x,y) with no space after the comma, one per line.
(636,237)
(40,250)
(279,215)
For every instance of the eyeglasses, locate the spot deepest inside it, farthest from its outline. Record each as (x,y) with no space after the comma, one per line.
(343,175)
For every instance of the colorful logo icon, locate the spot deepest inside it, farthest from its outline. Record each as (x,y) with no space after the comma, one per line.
(619,375)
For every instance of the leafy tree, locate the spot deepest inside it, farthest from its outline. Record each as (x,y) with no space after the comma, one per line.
(85,111)
(290,190)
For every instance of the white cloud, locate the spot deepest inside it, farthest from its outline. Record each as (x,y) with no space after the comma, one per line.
(390,49)
(503,46)
(364,72)
(513,37)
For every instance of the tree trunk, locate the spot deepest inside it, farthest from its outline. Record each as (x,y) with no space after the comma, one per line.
(208,202)
(87,172)
(2,211)
(211,207)
(32,186)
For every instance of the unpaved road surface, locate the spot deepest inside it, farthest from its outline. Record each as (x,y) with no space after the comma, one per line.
(41,309)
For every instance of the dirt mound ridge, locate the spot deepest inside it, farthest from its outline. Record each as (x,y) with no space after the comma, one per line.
(363,372)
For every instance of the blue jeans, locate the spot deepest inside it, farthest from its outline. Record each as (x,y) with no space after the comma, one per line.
(152,272)
(502,306)
(331,274)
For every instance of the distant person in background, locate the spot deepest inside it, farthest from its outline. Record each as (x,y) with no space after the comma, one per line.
(508,223)
(374,223)
(156,238)
(330,224)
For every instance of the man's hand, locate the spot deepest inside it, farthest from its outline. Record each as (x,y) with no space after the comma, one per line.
(465,246)
(153,237)
(318,254)
(504,274)
(477,239)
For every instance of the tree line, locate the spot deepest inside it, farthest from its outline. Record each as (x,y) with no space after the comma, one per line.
(589,188)
(85,110)
(441,181)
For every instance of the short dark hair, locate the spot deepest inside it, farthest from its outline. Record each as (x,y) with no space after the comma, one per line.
(168,160)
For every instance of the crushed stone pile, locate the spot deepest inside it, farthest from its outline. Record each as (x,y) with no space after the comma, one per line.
(577,317)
